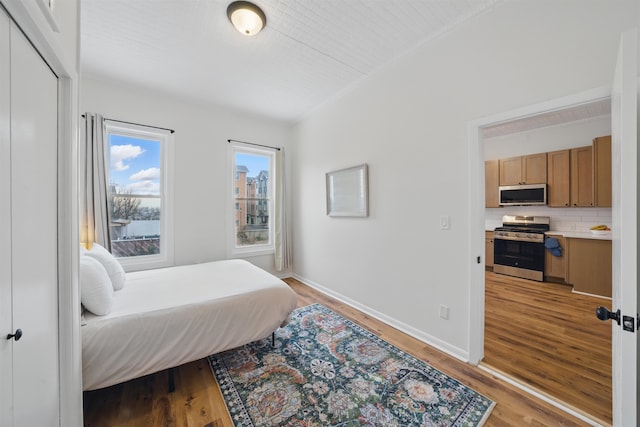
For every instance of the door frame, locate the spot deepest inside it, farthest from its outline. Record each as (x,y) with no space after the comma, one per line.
(476,218)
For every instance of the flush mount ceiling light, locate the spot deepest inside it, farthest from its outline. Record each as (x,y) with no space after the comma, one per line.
(248,18)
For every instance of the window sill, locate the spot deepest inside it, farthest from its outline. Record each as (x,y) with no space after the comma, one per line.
(252,253)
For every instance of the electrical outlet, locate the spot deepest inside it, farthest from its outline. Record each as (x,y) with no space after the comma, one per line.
(444,222)
(444,311)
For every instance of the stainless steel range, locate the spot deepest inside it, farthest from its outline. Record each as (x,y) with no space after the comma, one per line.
(518,248)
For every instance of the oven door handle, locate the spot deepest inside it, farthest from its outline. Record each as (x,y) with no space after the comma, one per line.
(513,239)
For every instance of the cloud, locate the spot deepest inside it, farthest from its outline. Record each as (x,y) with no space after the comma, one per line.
(120,153)
(144,187)
(146,174)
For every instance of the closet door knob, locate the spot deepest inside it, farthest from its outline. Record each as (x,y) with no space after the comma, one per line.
(16,336)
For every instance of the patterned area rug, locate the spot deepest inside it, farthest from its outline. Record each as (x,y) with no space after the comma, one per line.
(325,370)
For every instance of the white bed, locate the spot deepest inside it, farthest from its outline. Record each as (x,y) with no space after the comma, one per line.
(166,317)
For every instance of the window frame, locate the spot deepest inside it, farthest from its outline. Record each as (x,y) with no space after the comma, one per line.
(250,250)
(166,139)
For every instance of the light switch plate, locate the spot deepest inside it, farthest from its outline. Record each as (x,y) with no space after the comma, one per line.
(444,222)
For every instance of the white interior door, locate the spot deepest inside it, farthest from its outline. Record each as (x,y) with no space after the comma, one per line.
(34,229)
(6,399)
(624,127)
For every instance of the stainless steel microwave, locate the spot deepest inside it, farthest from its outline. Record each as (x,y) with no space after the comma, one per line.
(522,195)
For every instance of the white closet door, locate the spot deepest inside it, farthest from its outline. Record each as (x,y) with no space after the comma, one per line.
(6,376)
(34,247)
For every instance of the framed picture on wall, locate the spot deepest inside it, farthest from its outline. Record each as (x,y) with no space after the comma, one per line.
(348,192)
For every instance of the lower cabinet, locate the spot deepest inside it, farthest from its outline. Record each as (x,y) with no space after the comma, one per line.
(555,267)
(589,266)
(488,249)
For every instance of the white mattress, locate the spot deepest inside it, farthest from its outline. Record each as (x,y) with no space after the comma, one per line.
(170,316)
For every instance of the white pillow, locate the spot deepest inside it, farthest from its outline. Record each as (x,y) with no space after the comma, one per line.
(110,263)
(96,291)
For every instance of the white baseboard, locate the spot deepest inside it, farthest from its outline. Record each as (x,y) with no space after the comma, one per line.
(589,295)
(449,349)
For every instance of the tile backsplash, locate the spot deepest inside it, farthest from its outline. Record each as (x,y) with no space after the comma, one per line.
(562,219)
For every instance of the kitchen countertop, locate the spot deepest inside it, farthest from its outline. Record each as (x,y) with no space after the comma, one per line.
(576,234)
(580,235)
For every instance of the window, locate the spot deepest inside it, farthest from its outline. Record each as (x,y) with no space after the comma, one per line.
(139,197)
(253,197)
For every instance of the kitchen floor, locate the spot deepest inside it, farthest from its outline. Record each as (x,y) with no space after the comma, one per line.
(549,338)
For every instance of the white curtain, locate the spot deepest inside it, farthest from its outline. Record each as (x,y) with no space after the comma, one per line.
(283,243)
(95,211)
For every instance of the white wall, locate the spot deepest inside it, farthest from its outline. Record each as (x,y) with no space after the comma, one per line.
(409,123)
(200,159)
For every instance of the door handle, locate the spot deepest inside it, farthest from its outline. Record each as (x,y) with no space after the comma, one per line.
(604,314)
(16,336)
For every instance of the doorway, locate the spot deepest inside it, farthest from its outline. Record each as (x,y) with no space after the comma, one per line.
(552,113)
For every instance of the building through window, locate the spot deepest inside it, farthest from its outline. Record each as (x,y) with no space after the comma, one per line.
(253,199)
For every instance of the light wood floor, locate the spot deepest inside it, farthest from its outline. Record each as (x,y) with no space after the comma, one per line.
(197,401)
(548,337)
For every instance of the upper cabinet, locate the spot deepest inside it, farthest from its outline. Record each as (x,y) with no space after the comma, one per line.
(558,179)
(582,194)
(577,177)
(531,169)
(602,170)
(580,177)
(491,183)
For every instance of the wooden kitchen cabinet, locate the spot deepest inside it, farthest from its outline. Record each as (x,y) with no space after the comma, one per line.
(556,267)
(558,179)
(589,266)
(491,184)
(602,170)
(582,177)
(531,169)
(534,169)
(510,171)
(488,249)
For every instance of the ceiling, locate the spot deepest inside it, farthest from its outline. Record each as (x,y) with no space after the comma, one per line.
(309,52)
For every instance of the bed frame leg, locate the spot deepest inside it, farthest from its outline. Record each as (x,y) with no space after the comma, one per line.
(172,382)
